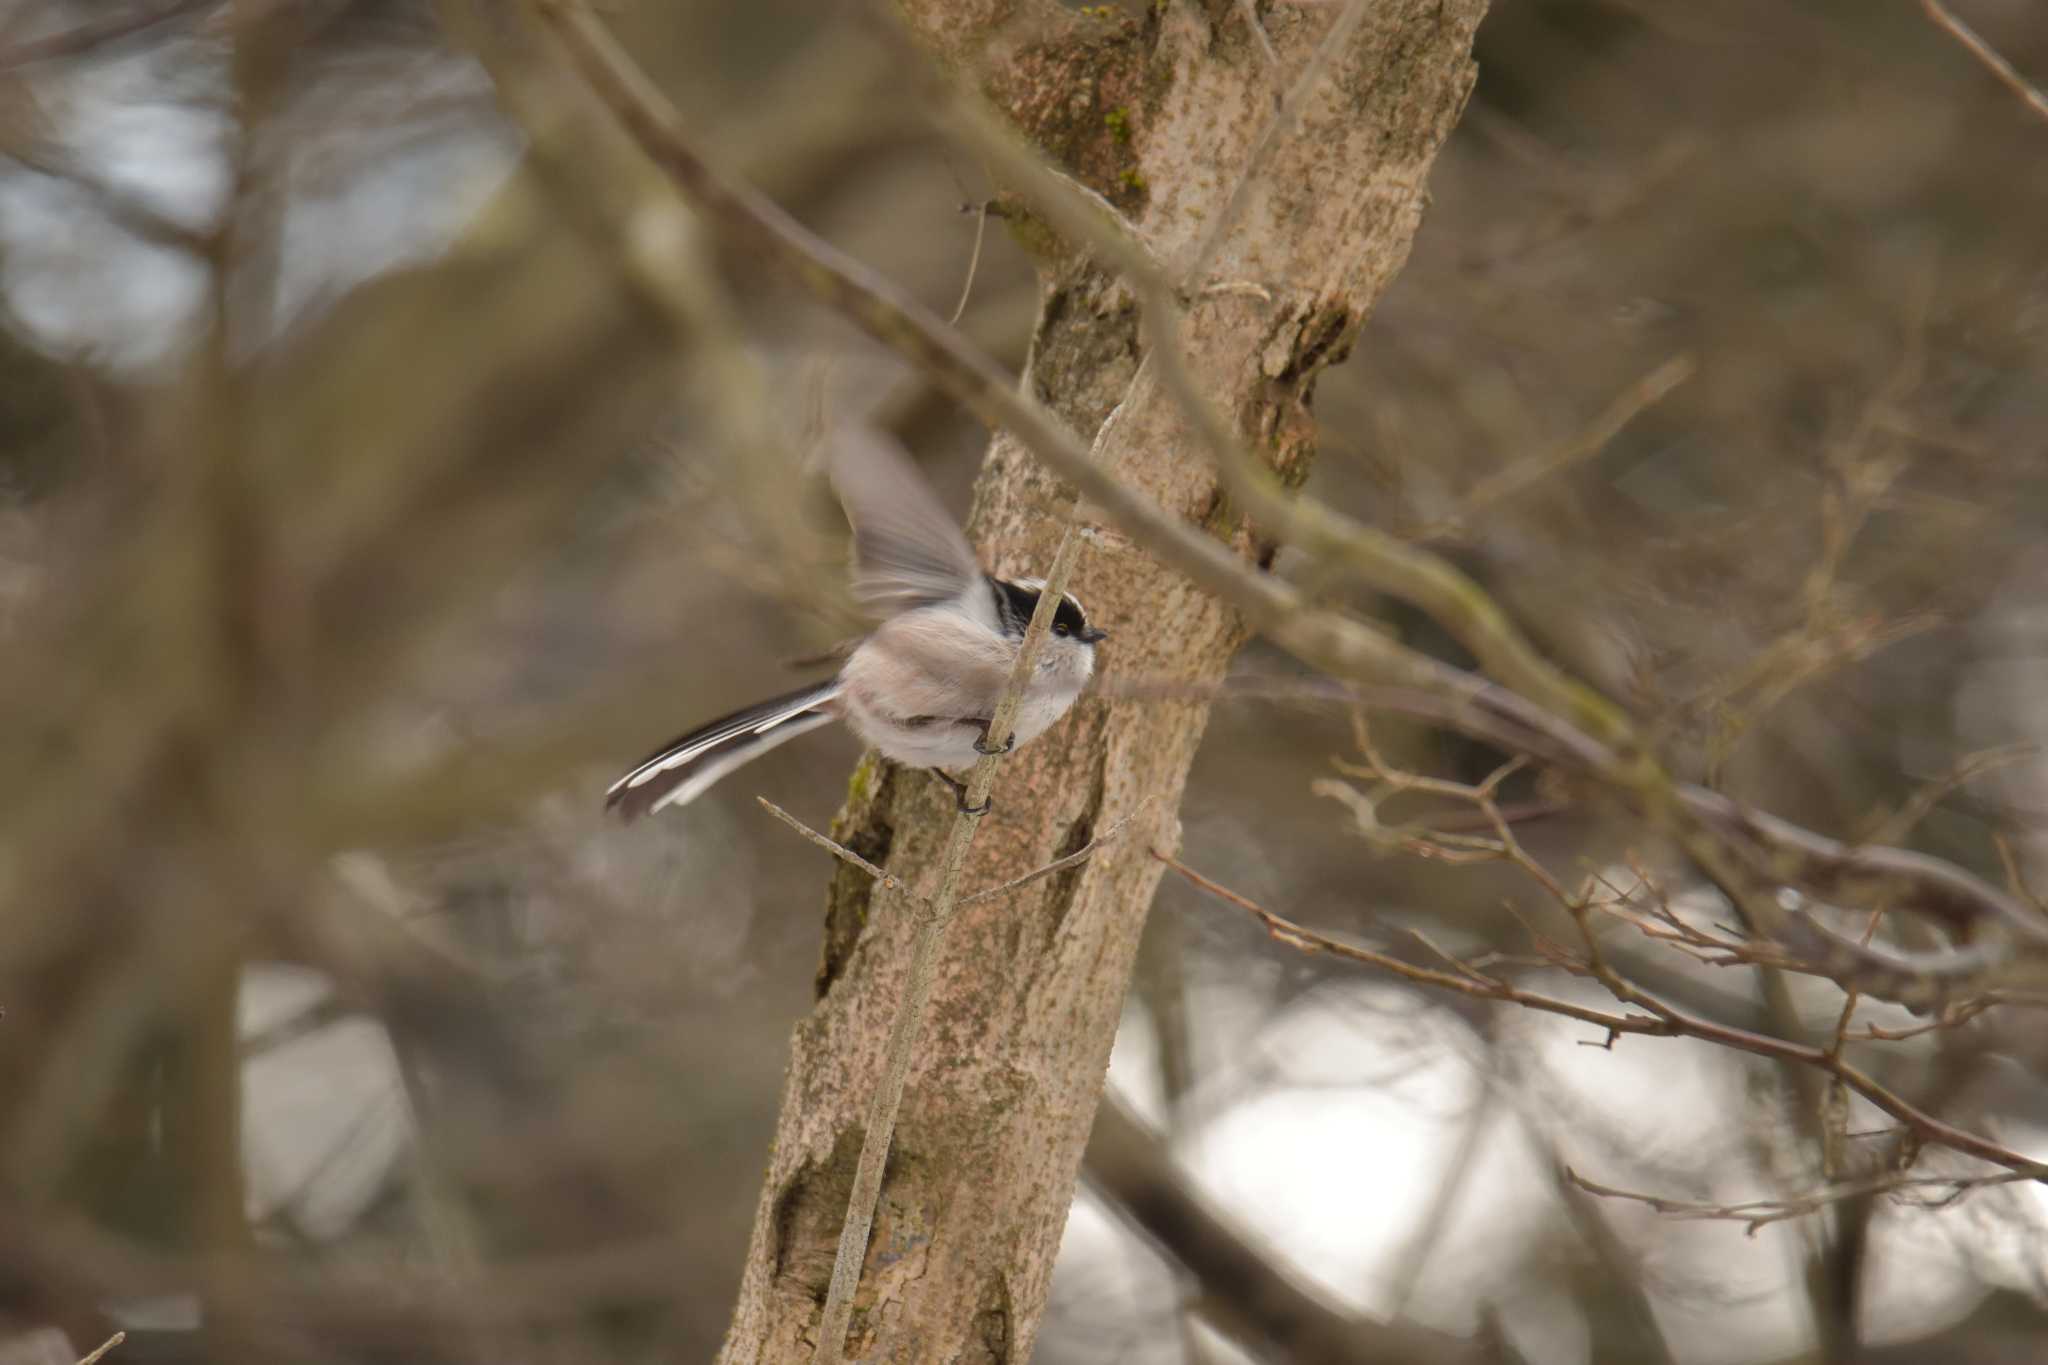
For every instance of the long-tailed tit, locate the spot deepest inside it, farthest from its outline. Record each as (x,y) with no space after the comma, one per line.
(923,687)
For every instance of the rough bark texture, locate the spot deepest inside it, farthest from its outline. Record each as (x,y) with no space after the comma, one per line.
(1160,116)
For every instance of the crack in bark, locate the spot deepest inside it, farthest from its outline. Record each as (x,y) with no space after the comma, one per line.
(1088,326)
(992,1326)
(806,1219)
(1060,887)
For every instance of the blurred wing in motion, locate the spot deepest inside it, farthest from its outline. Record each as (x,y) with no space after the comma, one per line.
(908,550)
(686,767)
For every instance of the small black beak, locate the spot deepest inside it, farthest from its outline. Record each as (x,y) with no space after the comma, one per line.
(1090,635)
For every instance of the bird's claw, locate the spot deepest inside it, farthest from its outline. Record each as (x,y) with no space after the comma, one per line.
(960,796)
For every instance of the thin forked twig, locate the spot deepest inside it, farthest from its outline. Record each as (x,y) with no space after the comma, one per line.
(848,856)
(1760,1213)
(932,918)
(1965,770)
(1586,444)
(1659,1019)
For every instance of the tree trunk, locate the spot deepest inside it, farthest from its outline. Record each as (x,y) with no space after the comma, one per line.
(1160,116)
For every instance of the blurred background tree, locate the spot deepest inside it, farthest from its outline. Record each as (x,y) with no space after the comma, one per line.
(359,514)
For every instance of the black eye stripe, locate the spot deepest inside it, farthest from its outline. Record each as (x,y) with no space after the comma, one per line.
(1015,602)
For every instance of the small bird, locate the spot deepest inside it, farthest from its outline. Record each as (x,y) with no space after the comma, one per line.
(922,688)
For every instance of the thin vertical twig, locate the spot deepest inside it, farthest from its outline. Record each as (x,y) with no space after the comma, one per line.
(973,264)
(1250,10)
(932,920)
(1285,116)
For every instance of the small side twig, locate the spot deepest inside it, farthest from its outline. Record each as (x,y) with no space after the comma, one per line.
(1631,403)
(109,1344)
(933,916)
(1074,859)
(1894,828)
(980,212)
(1988,55)
(837,849)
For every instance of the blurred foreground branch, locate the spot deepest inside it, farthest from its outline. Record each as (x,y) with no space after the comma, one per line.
(933,915)
(1988,55)
(1244,1292)
(87,37)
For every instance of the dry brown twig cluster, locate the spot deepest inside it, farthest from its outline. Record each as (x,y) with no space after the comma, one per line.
(1645,906)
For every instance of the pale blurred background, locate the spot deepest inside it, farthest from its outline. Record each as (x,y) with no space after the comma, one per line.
(489,540)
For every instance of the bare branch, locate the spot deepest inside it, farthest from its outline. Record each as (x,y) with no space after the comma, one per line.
(933,917)
(1245,1294)
(836,849)
(1659,1019)
(1760,1213)
(1631,403)
(128,210)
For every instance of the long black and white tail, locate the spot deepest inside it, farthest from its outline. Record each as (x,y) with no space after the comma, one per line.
(685,767)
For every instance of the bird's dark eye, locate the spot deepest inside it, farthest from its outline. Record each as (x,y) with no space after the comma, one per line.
(1058,628)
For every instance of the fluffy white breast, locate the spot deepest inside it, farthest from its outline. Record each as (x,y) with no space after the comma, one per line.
(1064,667)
